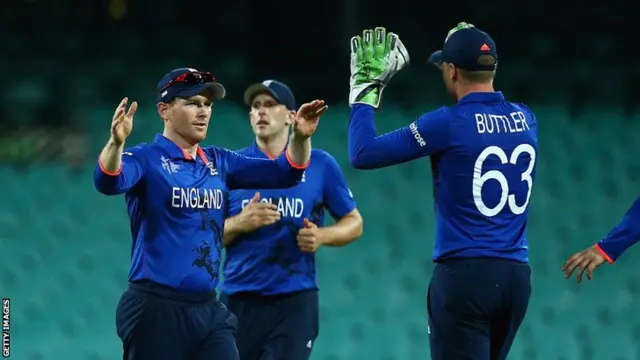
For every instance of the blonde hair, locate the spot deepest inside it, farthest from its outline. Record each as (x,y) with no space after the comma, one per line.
(481,77)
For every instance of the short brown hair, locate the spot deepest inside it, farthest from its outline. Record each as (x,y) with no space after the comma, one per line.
(481,77)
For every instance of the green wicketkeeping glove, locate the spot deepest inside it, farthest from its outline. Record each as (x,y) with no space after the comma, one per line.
(375,58)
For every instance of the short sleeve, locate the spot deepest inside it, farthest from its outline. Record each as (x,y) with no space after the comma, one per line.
(337,195)
(132,170)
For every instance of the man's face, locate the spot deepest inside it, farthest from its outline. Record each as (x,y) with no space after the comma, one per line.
(268,117)
(188,117)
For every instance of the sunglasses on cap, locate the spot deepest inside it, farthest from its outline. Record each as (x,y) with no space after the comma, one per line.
(191,78)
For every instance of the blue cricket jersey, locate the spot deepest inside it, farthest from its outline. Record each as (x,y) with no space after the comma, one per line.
(483,154)
(268,260)
(176,206)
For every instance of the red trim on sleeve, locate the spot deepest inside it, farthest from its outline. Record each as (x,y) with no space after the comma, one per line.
(107,172)
(604,254)
(294,165)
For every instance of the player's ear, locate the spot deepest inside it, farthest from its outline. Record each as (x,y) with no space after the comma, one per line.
(453,72)
(291,117)
(163,109)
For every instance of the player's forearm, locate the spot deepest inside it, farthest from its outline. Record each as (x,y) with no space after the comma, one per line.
(367,150)
(111,158)
(299,151)
(109,177)
(232,229)
(362,132)
(344,231)
(624,235)
(254,173)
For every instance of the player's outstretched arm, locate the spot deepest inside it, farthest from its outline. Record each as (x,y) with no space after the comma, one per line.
(425,136)
(375,57)
(305,124)
(624,235)
(117,170)
(285,171)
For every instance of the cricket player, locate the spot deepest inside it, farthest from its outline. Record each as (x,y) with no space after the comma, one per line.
(624,235)
(176,196)
(483,159)
(271,238)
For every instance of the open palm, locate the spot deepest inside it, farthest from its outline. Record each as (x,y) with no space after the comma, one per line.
(308,116)
(122,122)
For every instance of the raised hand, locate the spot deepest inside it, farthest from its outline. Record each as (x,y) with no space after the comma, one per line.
(307,118)
(122,122)
(375,57)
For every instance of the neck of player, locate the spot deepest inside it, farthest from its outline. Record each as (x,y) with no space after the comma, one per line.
(467,89)
(189,147)
(273,146)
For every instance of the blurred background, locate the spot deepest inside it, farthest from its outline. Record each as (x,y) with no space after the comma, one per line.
(65,65)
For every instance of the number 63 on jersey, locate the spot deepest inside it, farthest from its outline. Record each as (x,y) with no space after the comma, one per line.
(483,174)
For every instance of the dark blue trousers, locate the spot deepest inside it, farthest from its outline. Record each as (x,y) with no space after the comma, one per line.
(277,327)
(155,322)
(475,308)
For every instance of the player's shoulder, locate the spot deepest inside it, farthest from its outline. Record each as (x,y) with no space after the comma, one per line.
(324,159)
(442,111)
(142,150)
(441,115)
(434,120)
(244,151)
(529,115)
(321,156)
(319,153)
(523,107)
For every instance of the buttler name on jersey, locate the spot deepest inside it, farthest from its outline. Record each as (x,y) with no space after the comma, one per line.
(500,124)
(196,198)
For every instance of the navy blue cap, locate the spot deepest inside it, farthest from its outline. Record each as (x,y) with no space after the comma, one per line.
(166,94)
(464,48)
(280,92)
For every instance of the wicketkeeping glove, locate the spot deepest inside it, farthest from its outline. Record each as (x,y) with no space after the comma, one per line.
(375,58)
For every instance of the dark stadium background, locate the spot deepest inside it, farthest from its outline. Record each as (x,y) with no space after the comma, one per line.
(64,66)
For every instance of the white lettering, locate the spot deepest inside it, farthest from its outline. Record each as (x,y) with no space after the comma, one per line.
(196,198)
(519,115)
(413,127)
(6,327)
(480,126)
(287,207)
(480,177)
(516,122)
